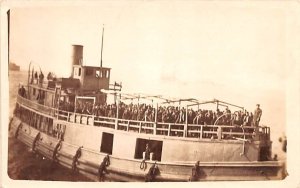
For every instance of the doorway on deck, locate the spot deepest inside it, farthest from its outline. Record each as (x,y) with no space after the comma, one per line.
(107,143)
(155,147)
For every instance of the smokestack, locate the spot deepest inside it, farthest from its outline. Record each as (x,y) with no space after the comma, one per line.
(77,56)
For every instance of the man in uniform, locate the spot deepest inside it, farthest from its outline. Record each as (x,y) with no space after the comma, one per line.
(257,116)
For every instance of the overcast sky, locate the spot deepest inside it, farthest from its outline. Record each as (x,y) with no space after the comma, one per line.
(204,50)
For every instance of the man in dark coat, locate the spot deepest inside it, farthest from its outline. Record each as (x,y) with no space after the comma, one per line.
(257,115)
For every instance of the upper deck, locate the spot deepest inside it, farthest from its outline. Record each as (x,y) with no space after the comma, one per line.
(180,130)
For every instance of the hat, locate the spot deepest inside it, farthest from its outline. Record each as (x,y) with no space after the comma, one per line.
(257,105)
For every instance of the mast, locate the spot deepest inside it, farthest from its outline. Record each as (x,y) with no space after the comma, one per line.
(102,46)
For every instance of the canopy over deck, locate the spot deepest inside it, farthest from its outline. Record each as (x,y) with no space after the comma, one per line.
(159,99)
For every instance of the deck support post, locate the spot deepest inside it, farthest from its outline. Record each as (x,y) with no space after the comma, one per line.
(201,131)
(116,123)
(68,118)
(186,122)
(155,120)
(117,113)
(219,132)
(140,128)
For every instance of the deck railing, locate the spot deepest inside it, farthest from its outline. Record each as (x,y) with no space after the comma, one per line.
(156,128)
(36,106)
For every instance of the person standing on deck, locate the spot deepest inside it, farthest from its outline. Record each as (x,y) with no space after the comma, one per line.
(41,78)
(22,92)
(36,75)
(257,116)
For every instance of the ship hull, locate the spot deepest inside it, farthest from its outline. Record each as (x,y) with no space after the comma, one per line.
(126,169)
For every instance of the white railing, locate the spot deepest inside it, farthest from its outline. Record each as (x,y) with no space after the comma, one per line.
(36,106)
(147,127)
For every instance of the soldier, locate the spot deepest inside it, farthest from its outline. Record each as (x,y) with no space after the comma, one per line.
(246,119)
(49,76)
(41,78)
(182,115)
(257,115)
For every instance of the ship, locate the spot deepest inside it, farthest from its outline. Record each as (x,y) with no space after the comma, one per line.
(70,122)
(14,67)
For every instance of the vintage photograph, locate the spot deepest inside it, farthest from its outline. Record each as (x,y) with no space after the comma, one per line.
(147,91)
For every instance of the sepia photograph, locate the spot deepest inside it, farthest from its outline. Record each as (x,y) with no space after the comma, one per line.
(150,91)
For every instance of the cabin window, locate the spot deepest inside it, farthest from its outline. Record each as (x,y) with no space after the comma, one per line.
(89,72)
(103,73)
(107,74)
(155,149)
(107,143)
(97,73)
(75,71)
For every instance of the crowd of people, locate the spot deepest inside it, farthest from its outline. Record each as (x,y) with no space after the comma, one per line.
(166,114)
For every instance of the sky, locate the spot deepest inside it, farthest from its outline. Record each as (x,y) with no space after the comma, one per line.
(242,52)
(203,50)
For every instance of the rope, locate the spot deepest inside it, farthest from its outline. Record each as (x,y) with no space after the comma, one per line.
(107,160)
(75,158)
(34,141)
(143,165)
(195,172)
(56,149)
(152,173)
(17,131)
(102,170)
